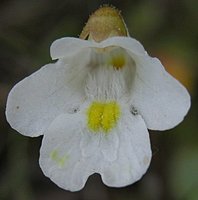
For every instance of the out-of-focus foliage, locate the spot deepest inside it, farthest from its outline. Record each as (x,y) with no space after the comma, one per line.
(167,29)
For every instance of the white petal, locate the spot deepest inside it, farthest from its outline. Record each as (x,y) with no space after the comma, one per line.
(64,137)
(120,163)
(89,144)
(110,145)
(159,98)
(66,47)
(37,100)
(127,43)
(99,143)
(133,156)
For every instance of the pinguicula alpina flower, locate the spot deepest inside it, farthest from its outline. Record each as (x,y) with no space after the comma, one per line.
(95,104)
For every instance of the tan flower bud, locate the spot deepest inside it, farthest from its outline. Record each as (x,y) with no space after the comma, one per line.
(104,23)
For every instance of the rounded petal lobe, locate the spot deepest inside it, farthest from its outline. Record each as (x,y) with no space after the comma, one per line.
(159,98)
(60,156)
(126,43)
(133,154)
(69,46)
(37,100)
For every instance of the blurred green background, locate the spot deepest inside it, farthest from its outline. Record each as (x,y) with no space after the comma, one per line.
(168,29)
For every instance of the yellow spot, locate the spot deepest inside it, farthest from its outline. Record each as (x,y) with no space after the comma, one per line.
(103,116)
(117,61)
(60,161)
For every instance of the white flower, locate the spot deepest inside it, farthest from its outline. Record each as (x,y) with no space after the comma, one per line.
(93,107)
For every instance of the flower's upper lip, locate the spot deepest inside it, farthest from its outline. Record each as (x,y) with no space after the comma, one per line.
(69,46)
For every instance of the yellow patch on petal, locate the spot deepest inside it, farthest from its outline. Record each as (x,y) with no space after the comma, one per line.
(117,61)
(102,116)
(60,160)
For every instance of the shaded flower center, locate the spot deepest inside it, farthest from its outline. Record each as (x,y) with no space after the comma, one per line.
(117,61)
(112,56)
(102,116)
